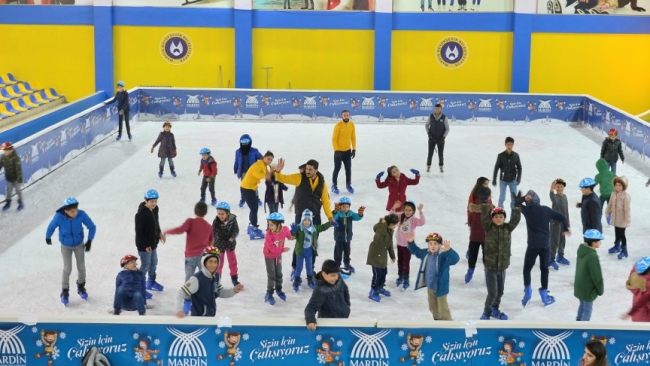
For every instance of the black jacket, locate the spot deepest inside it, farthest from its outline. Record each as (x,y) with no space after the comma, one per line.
(122,101)
(590,212)
(329,301)
(510,167)
(306,198)
(147,228)
(611,150)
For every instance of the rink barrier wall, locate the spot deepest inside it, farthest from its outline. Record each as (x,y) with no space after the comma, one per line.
(365,342)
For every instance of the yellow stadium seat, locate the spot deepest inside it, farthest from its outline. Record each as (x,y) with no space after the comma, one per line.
(50,95)
(28,102)
(21,87)
(17,107)
(5,111)
(13,92)
(40,99)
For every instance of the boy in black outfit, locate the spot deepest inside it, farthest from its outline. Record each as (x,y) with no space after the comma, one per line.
(331,298)
(123,108)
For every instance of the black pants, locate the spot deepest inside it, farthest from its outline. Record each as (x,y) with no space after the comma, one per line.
(474,247)
(124,118)
(529,261)
(495,282)
(248,195)
(619,236)
(436,143)
(344,157)
(205,184)
(317,221)
(342,251)
(378,277)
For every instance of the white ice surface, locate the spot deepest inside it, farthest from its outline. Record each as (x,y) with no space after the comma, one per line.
(110,180)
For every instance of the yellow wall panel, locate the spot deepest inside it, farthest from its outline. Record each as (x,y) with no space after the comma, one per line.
(138,60)
(51,56)
(313,59)
(487,68)
(611,67)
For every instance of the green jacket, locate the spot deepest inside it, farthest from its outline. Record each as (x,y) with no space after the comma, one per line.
(588,284)
(496,250)
(604,178)
(300,238)
(13,169)
(381,244)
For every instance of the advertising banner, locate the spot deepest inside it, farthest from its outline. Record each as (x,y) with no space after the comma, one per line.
(201,345)
(451,5)
(46,2)
(338,5)
(176,3)
(597,7)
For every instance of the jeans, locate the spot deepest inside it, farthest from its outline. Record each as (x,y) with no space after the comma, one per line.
(584,311)
(378,277)
(558,241)
(344,157)
(306,259)
(10,187)
(149,262)
(439,144)
(495,283)
(273,207)
(403,261)
(79,255)
(250,198)
(128,302)
(502,192)
(529,261)
(422,3)
(125,118)
(232,262)
(342,253)
(192,265)
(161,166)
(474,247)
(612,167)
(210,185)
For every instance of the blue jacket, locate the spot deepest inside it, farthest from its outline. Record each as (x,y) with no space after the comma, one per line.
(253,156)
(71,231)
(445,259)
(538,219)
(343,233)
(131,282)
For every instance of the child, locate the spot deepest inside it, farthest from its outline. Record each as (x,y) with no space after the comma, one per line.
(588,283)
(377,258)
(638,284)
(13,174)
(274,197)
(590,208)
(434,272)
(560,203)
(496,251)
(619,210)
(245,156)
(612,148)
(123,108)
(273,249)
(604,180)
(209,169)
(595,354)
(226,231)
(331,297)
(476,231)
(167,149)
(147,237)
(306,247)
(203,288)
(69,219)
(396,183)
(130,293)
(343,233)
(407,224)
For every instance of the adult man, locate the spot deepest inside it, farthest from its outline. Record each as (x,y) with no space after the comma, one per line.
(437,128)
(344,143)
(510,165)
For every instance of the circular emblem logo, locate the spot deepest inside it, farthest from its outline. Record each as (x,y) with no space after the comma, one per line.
(452,52)
(176,48)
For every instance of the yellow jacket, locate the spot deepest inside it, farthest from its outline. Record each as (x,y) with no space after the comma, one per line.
(343,136)
(254,175)
(296,179)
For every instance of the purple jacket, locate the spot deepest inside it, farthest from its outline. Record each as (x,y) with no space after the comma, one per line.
(167,145)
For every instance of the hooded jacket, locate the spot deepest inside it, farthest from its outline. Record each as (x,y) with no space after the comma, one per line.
(604,178)
(588,284)
(71,231)
(13,168)
(619,206)
(445,260)
(538,220)
(203,288)
(397,189)
(147,228)
(638,284)
(209,167)
(223,231)
(498,239)
(382,243)
(329,301)
(611,150)
(245,151)
(167,144)
(300,233)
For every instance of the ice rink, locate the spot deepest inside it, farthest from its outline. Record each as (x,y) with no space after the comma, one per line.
(111,178)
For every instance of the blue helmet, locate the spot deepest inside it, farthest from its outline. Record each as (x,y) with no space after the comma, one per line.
(245,141)
(223,206)
(205,150)
(344,201)
(642,264)
(593,234)
(151,194)
(587,182)
(70,201)
(120,83)
(276,216)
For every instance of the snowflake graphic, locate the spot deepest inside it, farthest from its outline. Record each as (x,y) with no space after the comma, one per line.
(138,356)
(136,336)
(218,330)
(62,335)
(238,354)
(503,360)
(428,339)
(245,336)
(585,335)
(336,358)
(420,357)
(34,330)
(501,339)
(400,333)
(611,340)
(518,359)
(156,342)
(404,347)
(39,343)
(56,353)
(222,344)
(522,344)
(321,358)
(155,355)
(339,343)
(319,337)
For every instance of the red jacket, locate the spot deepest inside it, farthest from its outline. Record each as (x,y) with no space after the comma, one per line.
(639,286)
(209,167)
(476,231)
(397,189)
(199,235)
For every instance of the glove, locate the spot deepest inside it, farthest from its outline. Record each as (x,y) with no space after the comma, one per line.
(381,174)
(337,207)
(494,183)
(415,171)
(88,243)
(48,241)
(335,224)
(152,150)
(175,153)
(483,194)
(293,226)
(354,153)
(518,199)
(360,210)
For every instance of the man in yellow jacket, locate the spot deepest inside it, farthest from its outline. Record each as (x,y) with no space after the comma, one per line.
(344,143)
(258,171)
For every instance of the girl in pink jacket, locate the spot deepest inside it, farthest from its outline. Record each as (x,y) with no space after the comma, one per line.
(273,249)
(618,213)
(406,226)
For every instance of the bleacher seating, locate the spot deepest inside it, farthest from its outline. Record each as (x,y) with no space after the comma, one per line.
(17,97)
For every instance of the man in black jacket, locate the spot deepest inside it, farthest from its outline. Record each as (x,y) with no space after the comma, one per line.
(123,108)
(437,128)
(612,148)
(510,165)
(147,237)
(331,297)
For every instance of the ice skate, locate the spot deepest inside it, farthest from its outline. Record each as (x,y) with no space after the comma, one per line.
(174,174)
(441,170)
(528,293)
(269,298)
(384,292)
(469,275)
(498,315)
(118,138)
(350,189)
(310,282)
(65,296)
(6,206)
(546,298)
(561,260)
(374,295)
(213,202)
(406,284)
(20,206)
(399,281)
(623,253)
(335,189)
(153,285)
(241,203)
(615,249)
(81,290)
(281,295)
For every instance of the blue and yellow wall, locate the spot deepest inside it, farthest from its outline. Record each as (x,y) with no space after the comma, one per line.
(81,49)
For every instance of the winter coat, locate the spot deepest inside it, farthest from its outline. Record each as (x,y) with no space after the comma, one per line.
(611,150)
(199,236)
(202,289)
(445,260)
(343,233)
(538,220)
(224,231)
(167,144)
(476,230)
(590,213)
(253,156)
(122,99)
(329,301)
(381,244)
(131,282)
(13,168)
(619,206)
(274,242)
(397,189)
(147,228)
(299,234)
(209,167)
(271,194)
(604,178)
(406,227)
(638,284)
(71,231)
(588,284)
(498,239)
(510,166)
